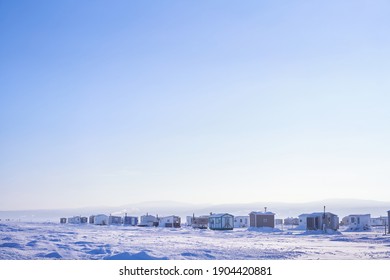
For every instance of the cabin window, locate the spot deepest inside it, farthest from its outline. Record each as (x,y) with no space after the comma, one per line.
(240,220)
(265,220)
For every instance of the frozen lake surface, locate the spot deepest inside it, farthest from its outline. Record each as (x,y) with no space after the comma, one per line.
(28,241)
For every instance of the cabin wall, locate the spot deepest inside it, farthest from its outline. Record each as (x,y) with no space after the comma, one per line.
(388,222)
(259,220)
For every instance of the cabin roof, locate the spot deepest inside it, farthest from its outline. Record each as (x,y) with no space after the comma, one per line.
(262,213)
(360,215)
(314,214)
(220,215)
(170,216)
(100,215)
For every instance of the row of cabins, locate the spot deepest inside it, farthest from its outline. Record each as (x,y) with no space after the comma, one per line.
(323,221)
(146,220)
(317,221)
(264,219)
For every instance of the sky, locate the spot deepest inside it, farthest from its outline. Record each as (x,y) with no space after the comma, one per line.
(115,102)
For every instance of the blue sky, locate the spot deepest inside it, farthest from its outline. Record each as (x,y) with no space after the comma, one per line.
(113,102)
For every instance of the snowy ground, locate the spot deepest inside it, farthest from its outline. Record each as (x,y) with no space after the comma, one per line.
(78,242)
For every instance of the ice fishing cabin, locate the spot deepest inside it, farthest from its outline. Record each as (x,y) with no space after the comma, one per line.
(201,222)
(319,221)
(130,220)
(114,220)
(74,220)
(169,221)
(148,221)
(241,221)
(258,219)
(62,220)
(92,219)
(84,220)
(222,221)
(357,222)
(101,220)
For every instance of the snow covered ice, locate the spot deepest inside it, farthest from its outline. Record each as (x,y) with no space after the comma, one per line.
(28,241)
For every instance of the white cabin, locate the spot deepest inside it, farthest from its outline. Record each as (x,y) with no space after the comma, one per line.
(101,220)
(319,221)
(148,221)
(241,221)
(358,222)
(169,221)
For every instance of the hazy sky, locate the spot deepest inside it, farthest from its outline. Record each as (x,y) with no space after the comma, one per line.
(113,102)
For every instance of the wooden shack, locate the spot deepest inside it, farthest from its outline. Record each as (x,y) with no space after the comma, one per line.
(260,219)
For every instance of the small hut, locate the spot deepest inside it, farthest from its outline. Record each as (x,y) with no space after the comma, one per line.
(148,221)
(319,221)
(260,219)
(241,221)
(62,220)
(222,221)
(84,220)
(357,222)
(169,221)
(130,220)
(114,220)
(92,219)
(101,220)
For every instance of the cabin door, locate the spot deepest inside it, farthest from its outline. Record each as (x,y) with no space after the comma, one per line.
(227,223)
(313,223)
